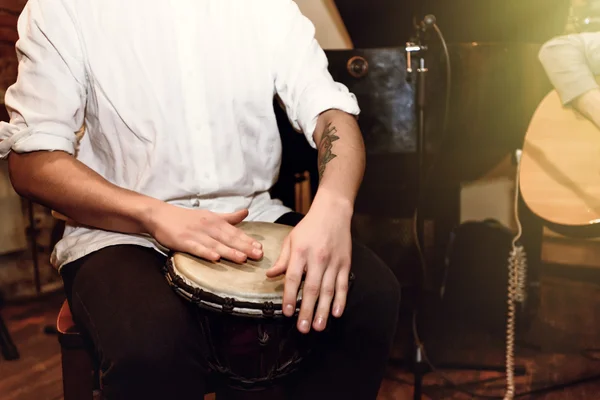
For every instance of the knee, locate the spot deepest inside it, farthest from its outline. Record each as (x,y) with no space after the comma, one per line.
(158,361)
(387,293)
(163,346)
(146,353)
(377,285)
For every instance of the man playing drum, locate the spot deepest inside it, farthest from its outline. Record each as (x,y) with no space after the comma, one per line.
(181,144)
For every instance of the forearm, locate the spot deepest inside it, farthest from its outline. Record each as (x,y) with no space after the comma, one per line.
(588,104)
(341,158)
(59,181)
(569,66)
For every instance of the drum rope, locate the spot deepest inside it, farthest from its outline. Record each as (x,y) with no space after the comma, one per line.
(219,361)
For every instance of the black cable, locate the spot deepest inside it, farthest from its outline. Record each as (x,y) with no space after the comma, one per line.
(471,383)
(445,126)
(591,354)
(560,386)
(433,369)
(448,81)
(446,120)
(461,387)
(546,389)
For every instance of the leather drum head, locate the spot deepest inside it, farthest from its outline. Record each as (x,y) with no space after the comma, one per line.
(243,282)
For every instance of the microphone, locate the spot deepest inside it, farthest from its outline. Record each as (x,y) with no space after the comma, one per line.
(428,22)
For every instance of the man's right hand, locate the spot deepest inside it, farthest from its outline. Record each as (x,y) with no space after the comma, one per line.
(203,233)
(62,183)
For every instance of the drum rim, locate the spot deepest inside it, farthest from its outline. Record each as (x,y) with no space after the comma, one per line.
(179,260)
(227,305)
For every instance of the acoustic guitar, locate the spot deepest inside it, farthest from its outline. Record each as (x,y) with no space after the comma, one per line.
(560,166)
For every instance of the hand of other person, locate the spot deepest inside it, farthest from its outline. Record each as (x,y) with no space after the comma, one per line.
(320,246)
(203,233)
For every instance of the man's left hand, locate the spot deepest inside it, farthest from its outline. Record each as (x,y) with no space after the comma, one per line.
(320,246)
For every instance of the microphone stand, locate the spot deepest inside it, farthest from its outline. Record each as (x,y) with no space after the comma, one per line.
(7,346)
(416,47)
(420,363)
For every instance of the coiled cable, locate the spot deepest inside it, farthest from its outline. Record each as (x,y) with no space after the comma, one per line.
(517,275)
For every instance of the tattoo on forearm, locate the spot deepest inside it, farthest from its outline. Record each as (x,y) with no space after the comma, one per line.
(325,147)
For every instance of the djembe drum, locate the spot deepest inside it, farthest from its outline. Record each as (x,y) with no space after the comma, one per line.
(251,344)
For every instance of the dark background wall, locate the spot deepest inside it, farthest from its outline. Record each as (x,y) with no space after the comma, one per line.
(496,85)
(381,23)
(9,10)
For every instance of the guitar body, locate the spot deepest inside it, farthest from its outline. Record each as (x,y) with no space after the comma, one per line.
(560,166)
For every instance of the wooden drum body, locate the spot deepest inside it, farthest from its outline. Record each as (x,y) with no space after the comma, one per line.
(250,343)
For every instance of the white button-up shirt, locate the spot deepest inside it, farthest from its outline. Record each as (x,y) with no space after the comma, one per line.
(176,95)
(572,63)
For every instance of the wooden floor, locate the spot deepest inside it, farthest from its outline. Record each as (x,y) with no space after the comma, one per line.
(37,374)
(568,320)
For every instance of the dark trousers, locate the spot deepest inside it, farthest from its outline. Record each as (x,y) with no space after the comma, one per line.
(149,344)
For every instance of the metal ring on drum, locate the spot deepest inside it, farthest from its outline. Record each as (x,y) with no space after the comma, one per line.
(240,289)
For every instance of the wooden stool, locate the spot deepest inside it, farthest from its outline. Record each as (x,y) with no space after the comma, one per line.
(78,369)
(77,365)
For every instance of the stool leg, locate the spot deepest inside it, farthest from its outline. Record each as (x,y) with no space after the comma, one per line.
(77,374)
(7,347)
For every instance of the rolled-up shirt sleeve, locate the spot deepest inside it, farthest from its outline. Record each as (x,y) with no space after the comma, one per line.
(571,63)
(46,104)
(302,78)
